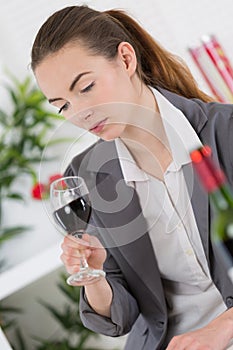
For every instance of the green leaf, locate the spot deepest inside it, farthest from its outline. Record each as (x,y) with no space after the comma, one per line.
(70,321)
(4,118)
(13,96)
(21,343)
(63,318)
(7,180)
(34,98)
(24,86)
(10,309)
(10,232)
(16,196)
(72,293)
(8,324)
(56,345)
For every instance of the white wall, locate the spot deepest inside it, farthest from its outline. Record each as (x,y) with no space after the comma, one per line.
(175,24)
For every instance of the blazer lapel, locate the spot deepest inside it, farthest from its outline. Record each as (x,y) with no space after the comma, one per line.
(125,228)
(118,216)
(200,205)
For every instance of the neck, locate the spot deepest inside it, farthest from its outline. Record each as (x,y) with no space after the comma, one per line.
(145,136)
(153,158)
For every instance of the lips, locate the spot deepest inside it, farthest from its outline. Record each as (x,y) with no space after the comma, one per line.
(98,126)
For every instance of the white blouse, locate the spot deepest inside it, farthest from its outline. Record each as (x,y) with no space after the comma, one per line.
(192,298)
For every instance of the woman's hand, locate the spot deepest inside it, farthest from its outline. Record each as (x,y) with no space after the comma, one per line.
(74,248)
(99,294)
(215,336)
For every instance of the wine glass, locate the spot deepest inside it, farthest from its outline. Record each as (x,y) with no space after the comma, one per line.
(71,206)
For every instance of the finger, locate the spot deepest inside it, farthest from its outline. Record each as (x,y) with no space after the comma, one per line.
(70,265)
(86,237)
(74,251)
(75,243)
(73,269)
(93,241)
(74,256)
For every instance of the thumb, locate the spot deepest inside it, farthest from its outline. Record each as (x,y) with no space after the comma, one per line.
(92,240)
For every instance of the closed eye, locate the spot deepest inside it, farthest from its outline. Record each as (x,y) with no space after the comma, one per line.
(88,88)
(63,108)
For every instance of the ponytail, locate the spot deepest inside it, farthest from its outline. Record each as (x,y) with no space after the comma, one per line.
(156,66)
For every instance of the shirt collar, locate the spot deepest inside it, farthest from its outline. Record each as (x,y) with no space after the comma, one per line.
(181,136)
(131,171)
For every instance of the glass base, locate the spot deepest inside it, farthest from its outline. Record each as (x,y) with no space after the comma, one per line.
(85,276)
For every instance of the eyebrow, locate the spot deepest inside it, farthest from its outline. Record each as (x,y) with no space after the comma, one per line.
(76,79)
(71,88)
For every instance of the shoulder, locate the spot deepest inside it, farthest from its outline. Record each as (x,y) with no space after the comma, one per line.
(216,110)
(99,157)
(196,108)
(213,122)
(81,158)
(218,133)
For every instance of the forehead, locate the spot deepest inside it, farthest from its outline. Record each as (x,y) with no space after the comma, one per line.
(63,66)
(67,58)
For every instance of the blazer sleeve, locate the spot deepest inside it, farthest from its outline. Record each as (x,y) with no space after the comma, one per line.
(124,308)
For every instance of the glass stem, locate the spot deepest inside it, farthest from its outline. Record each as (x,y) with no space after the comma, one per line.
(83,263)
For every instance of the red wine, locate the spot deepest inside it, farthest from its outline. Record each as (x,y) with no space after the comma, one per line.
(74,216)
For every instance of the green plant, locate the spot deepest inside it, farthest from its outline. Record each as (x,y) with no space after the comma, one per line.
(73,335)
(6,323)
(23,136)
(24,129)
(76,335)
(7,320)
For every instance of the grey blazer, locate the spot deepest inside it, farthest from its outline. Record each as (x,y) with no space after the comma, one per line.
(139,304)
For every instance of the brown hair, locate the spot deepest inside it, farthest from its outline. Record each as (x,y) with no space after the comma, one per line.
(102,32)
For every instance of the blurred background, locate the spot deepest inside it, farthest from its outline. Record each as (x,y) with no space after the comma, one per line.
(31,267)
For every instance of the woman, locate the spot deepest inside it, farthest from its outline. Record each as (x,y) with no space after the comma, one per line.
(164,283)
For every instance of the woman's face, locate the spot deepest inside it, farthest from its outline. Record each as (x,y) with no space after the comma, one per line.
(90,91)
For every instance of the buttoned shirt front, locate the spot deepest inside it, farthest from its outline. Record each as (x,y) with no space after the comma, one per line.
(192,298)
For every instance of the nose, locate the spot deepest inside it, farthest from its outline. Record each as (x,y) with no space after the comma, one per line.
(88,115)
(82,117)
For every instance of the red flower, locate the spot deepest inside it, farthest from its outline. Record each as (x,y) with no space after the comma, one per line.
(39,191)
(54,177)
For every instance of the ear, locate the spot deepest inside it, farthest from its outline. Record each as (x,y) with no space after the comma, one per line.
(128,57)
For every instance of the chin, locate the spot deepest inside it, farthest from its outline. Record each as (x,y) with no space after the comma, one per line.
(110,134)
(108,138)
(113,133)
